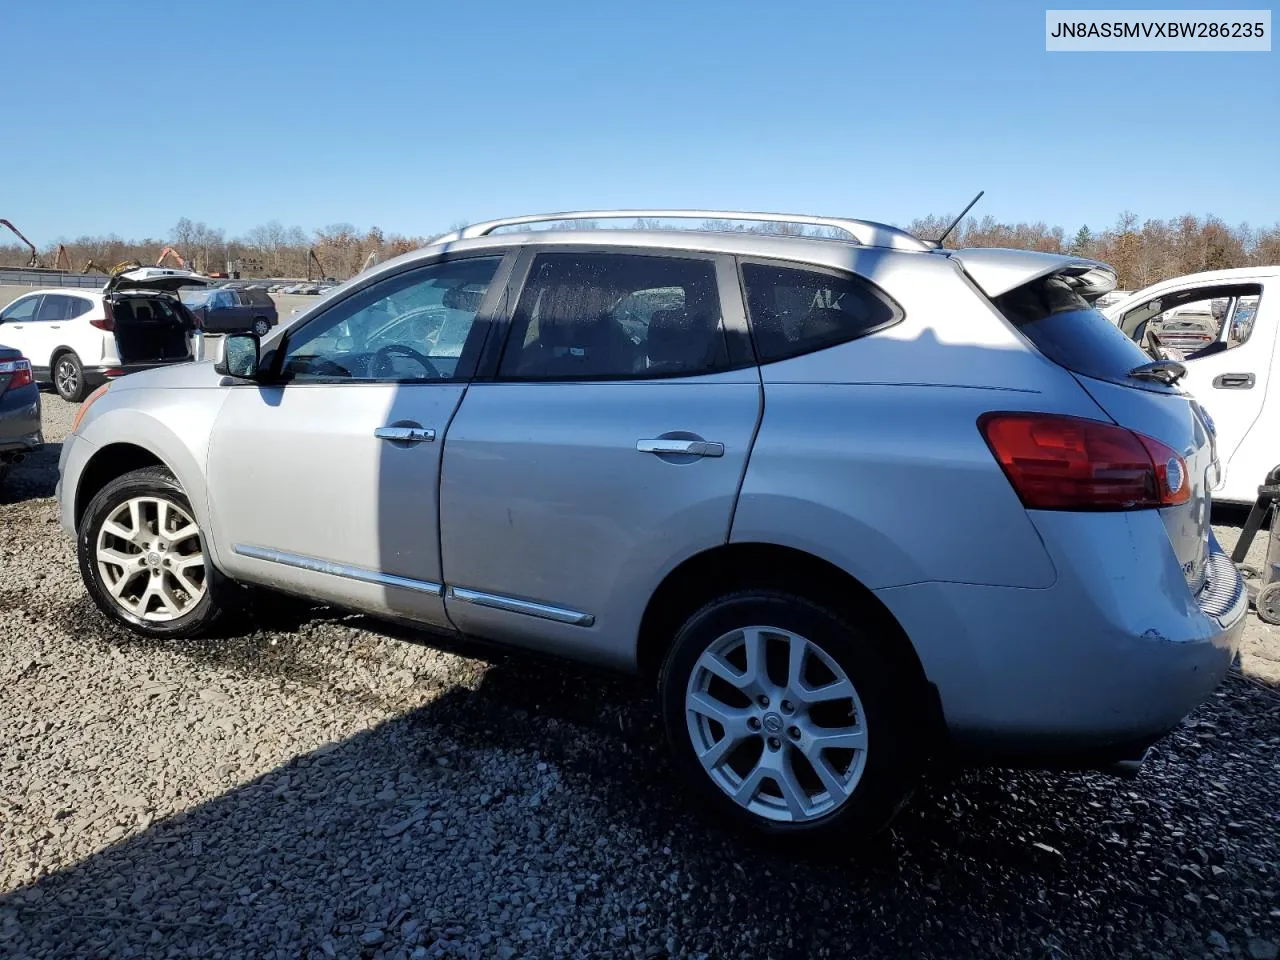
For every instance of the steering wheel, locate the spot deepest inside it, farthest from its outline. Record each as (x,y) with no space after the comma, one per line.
(1159,350)
(381,365)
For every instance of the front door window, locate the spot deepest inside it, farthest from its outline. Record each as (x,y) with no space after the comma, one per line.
(409,329)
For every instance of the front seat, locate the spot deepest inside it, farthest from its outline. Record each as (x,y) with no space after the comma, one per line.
(574,343)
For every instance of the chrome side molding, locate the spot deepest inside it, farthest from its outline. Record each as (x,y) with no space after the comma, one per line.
(513,605)
(338,569)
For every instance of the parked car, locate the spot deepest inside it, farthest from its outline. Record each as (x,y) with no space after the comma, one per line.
(1224,332)
(78,338)
(845,503)
(232,309)
(20,430)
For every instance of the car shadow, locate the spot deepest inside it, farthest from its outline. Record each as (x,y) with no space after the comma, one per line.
(549,785)
(35,478)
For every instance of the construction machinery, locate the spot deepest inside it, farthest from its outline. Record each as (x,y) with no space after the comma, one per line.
(62,260)
(312,258)
(34,260)
(177,257)
(118,268)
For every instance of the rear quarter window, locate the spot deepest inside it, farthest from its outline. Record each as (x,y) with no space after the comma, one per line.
(79,307)
(1066,328)
(795,310)
(256,298)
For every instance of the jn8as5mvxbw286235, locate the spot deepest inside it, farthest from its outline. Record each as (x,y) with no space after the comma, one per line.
(844,500)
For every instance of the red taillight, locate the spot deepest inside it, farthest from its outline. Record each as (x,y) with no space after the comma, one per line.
(107,321)
(18,372)
(1056,462)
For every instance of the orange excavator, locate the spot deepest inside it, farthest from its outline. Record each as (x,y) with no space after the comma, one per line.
(177,257)
(34,260)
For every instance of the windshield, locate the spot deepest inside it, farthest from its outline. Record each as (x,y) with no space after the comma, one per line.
(1069,331)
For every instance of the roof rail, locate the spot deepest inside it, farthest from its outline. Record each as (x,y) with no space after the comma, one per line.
(863,232)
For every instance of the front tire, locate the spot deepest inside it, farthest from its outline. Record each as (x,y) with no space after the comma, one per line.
(789,721)
(144,560)
(68,378)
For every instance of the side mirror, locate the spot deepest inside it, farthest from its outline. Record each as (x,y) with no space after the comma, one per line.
(240,356)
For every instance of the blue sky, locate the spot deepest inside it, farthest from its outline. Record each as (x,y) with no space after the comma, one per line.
(415,115)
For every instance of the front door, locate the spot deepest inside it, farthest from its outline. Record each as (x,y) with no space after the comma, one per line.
(19,329)
(609,447)
(326,483)
(1225,333)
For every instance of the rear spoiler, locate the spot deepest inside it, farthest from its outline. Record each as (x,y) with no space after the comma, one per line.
(996,271)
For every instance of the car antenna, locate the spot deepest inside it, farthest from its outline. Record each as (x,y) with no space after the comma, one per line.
(956,222)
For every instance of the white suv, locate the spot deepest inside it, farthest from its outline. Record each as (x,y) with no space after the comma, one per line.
(78,339)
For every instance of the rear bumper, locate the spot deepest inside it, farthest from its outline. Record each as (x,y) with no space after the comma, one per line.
(1091,670)
(20,430)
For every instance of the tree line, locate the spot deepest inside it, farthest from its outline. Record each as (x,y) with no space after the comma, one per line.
(268,250)
(1141,252)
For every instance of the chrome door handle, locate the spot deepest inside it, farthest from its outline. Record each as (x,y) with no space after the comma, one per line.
(690,448)
(55,326)
(405,434)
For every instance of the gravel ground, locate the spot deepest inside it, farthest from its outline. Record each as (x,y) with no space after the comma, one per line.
(313,787)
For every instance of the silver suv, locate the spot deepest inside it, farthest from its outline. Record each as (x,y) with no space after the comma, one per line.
(847,499)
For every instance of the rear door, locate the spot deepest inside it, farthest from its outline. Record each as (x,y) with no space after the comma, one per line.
(609,446)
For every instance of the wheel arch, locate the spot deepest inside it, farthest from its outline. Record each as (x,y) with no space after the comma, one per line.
(126,439)
(108,463)
(735,566)
(59,352)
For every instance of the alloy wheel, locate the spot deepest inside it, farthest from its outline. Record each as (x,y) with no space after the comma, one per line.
(67,379)
(151,560)
(777,724)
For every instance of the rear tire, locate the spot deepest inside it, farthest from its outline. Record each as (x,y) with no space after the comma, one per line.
(68,377)
(144,559)
(817,692)
(261,327)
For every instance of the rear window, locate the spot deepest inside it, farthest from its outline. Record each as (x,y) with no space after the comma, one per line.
(795,311)
(1069,331)
(256,297)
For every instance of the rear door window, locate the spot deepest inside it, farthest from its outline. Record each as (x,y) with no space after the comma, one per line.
(795,311)
(614,316)
(53,307)
(1069,331)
